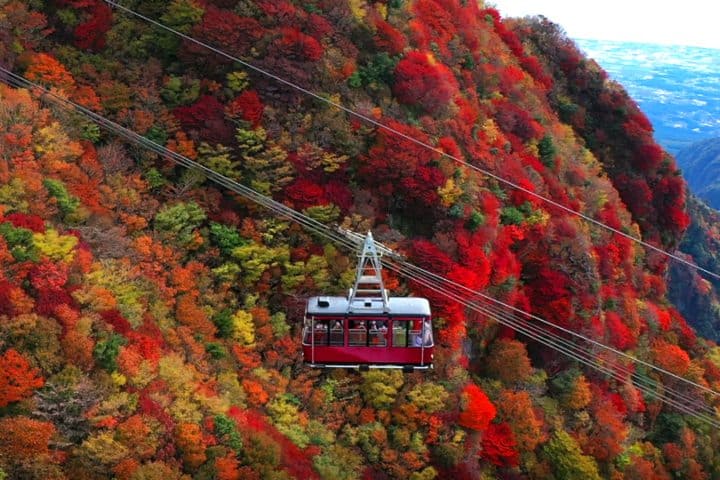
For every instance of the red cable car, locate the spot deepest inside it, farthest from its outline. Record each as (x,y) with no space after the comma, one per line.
(367,329)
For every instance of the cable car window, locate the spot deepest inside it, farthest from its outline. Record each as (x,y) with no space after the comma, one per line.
(320,332)
(420,334)
(337,335)
(357,334)
(378,333)
(400,333)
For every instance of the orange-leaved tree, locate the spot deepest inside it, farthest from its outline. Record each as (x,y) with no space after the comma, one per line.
(17,378)
(24,438)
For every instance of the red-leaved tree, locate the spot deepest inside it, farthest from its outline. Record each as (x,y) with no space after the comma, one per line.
(247,106)
(91,33)
(477,410)
(206,117)
(499,446)
(422,80)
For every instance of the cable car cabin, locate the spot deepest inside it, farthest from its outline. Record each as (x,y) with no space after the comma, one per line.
(369,331)
(368,338)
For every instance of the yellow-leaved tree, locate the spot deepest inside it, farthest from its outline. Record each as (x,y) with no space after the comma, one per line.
(243,328)
(55,246)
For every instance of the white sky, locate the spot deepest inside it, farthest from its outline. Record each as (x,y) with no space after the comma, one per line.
(684,22)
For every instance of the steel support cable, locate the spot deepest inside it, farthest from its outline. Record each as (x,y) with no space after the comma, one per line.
(475,298)
(620,371)
(275,206)
(632,358)
(678,401)
(414,140)
(668,396)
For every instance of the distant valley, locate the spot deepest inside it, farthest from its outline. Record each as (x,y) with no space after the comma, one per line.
(677,87)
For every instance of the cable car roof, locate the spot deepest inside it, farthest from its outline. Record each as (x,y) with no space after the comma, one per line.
(399,306)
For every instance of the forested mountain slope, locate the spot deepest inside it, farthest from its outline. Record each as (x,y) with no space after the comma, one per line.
(696,295)
(700,163)
(149,320)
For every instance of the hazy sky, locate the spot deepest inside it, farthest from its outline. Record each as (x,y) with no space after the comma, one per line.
(685,22)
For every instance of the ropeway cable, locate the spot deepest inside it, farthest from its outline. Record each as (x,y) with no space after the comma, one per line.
(568,331)
(681,402)
(646,385)
(311,224)
(416,141)
(617,371)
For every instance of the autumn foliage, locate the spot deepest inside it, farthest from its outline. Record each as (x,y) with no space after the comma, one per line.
(422,80)
(499,445)
(47,70)
(478,411)
(24,439)
(17,379)
(150,319)
(90,34)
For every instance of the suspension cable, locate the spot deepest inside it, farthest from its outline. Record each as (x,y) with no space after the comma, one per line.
(498,312)
(554,325)
(646,385)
